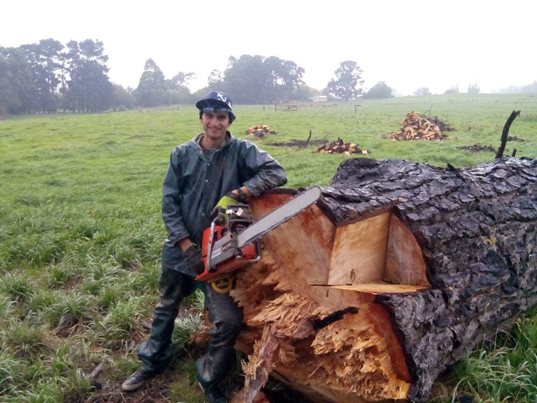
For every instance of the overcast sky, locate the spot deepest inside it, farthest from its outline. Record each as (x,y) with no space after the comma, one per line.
(406,43)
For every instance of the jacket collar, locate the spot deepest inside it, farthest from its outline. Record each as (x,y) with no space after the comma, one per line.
(197,140)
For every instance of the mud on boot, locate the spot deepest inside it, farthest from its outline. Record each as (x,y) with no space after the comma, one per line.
(137,379)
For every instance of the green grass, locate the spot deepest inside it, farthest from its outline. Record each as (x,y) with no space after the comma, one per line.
(81,233)
(17,287)
(503,370)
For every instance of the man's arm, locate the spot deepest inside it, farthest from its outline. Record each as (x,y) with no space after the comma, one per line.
(266,173)
(171,202)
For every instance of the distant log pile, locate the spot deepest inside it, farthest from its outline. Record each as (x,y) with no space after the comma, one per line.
(340,147)
(260,131)
(418,127)
(397,273)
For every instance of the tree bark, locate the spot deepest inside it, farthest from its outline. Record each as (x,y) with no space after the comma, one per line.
(397,273)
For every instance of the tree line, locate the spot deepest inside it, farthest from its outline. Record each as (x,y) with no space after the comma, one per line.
(48,76)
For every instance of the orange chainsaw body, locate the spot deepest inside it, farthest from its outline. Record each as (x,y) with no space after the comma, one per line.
(220,241)
(229,244)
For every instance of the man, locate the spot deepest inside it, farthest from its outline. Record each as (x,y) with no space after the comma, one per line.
(207,173)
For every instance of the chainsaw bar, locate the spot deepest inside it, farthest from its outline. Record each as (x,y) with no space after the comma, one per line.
(279,216)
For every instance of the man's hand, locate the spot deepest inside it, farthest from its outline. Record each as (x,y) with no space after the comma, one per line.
(194,259)
(234,197)
(218,215)
(226,201)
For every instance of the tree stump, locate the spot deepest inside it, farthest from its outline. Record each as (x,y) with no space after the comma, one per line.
(398,271)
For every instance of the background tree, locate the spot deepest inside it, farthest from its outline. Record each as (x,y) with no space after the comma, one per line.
(473,88)
(177,87)
(43,76)
(152,87)
(46,63)
(525,89)
(216,78)
(181,80)
(347,83)
(378,91)
(122,98)
(305,93)
(285,79)
(452,90)
(422,91)
(17,90)
(257,79)
(246,79)
(89,89)
(530,88)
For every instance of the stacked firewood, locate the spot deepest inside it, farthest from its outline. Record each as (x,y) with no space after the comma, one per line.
(418,127)
(340,147)
(259,131)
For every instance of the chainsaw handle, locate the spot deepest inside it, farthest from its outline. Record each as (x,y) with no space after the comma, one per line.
(210,246)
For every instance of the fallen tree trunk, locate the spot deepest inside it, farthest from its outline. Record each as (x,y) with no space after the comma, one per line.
(398,272)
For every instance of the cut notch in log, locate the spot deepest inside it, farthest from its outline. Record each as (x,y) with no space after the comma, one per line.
(336,274)
(373,250)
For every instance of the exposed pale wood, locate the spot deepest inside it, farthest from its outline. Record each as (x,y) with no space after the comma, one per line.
(404,260)
(381,288)
(350,357)
(336,298)
(307,238)
(359,252)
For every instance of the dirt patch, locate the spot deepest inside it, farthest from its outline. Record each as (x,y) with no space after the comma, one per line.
(177,382)
(325,146)
(299,143)
(442,124)
(476,148)
(158,389)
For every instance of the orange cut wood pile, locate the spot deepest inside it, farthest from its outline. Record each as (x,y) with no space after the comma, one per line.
(418,127)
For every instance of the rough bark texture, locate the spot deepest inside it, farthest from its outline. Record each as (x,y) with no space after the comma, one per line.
(478,232)
(398,273)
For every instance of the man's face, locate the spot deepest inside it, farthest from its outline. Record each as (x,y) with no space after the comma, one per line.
(215,124)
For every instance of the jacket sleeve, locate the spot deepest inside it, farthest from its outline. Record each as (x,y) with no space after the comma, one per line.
(172,200)
(264,172)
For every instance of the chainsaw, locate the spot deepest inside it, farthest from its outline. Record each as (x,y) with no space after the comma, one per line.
(235,243)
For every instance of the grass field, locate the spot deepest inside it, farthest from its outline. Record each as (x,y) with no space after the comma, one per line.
(80,235)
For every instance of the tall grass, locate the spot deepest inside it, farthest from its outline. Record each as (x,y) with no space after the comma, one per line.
(504,370)
(81,233)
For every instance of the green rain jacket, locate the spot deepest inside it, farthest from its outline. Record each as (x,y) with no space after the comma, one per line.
(195,181)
